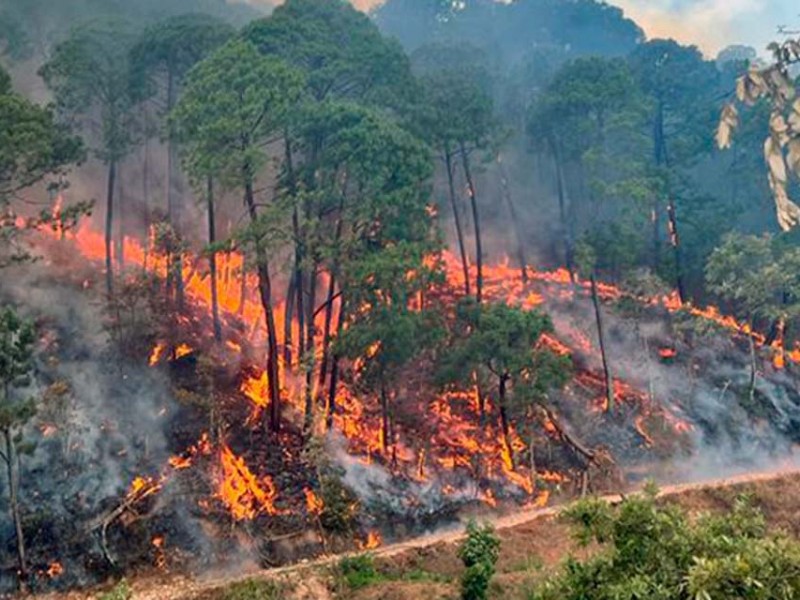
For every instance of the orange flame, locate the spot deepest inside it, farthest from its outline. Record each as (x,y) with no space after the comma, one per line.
(241,491)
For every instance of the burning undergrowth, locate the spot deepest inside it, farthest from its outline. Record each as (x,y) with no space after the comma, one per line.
(151,449)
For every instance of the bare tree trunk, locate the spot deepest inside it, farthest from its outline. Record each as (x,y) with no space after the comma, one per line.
(174,211)
(385,416)
(212,259)
(13,494)
(448,157)
(675,241)
(609,382)
(504,423)
(334,382)
(146,198)
(112,175)
(562,209)
(753,363)
(477,222)
(120,241)
(288,318)
(515,222)
(265,292)
(310,347)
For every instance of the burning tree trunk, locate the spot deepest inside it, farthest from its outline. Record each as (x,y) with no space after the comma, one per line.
(288,318)
(515,222)
(477,222)
(308,362)
(212,259)
(265,293)
(448,157)
(753,362)
(601,339)
(109,234)
(10,458)
(504,423)
(334,382)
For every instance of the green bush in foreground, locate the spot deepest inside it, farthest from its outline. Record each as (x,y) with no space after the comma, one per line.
(255,590)
(659,553)
(479,553)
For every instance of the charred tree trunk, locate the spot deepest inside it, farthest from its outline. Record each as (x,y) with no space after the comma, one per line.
(299,284)
(504,423)
(13,496)
(609,382)
(329,298)
(287,321)
(385,430)
(146,198)
(562,209)
(120,241)
(515,222)
(112,175)
(675,242)
(753,363)
(473,199)
(334,382)
(173,200)
(265,293)
(448,157)
(310,346)
(212,258)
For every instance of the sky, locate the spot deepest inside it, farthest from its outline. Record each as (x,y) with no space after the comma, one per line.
(714,24)
(709,24)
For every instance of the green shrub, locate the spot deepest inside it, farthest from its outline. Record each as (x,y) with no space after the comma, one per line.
(657,552)
(357,572)
(479,553)
(253,589)
(121,591)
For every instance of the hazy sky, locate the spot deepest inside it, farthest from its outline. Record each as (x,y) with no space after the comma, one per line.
(710,24)
(713,24)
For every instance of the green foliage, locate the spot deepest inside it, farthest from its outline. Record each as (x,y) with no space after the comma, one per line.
(254,589)
(503,342)
(479,553)
(356,572)
(756,276)
(121,591)
(89,74)
(233,101)
(652,551)
(33,145)
(339,49)
(16,363)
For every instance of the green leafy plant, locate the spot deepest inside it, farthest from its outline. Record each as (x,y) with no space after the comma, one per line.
(255,590)
(121,591)
(479,553)
(356,572)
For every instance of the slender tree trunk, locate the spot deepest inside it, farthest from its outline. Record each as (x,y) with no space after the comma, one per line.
(329,297)
(174,208)
(515,222)
(299,256)
(675,241)
(477,222)
(112,175)
(243,286)
(385,416)
(288,318)
(120,241)
(13,494)
(562,209)
(212,259)
(504,423)
(609,382)
(310,346)
(753,363)
(334,382)
(265,293)
(448,157)
(146,199)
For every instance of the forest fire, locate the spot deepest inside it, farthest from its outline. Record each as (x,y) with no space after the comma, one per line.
(241,491)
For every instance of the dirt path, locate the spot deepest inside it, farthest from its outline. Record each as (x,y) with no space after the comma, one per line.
(184,588)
